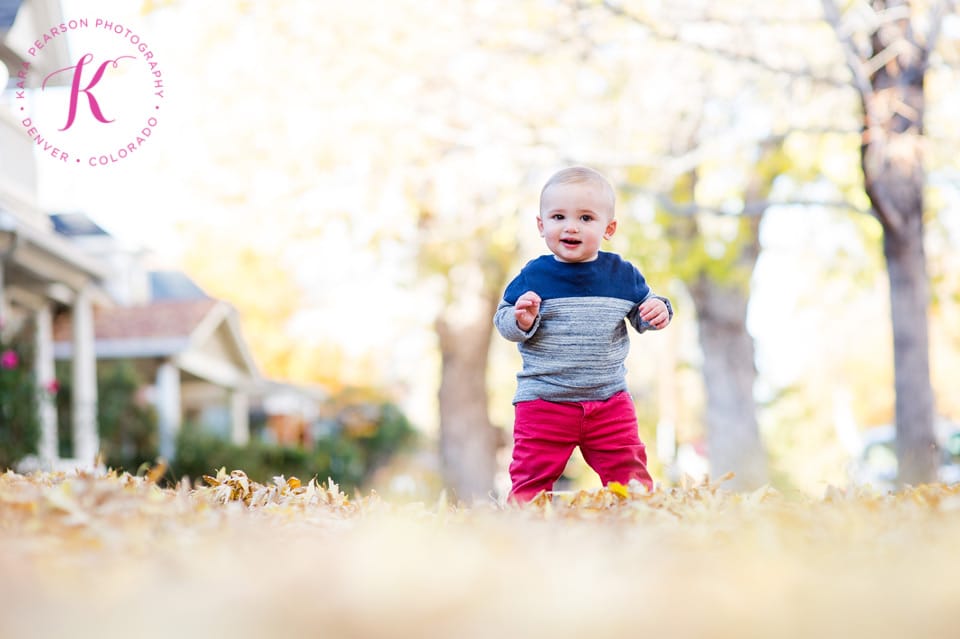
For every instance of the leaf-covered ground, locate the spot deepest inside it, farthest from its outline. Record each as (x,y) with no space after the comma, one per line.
(118,556)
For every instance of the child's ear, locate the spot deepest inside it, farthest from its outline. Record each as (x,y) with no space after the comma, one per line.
(610,230)
(540,225)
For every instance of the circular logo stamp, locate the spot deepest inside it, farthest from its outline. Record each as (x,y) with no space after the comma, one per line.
(103,106)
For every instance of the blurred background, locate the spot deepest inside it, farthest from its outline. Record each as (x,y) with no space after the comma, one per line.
(294,270)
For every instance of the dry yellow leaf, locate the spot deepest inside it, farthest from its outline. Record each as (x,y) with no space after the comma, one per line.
(618,489)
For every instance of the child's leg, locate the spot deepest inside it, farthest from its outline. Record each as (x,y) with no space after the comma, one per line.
(610,441)
(544,435)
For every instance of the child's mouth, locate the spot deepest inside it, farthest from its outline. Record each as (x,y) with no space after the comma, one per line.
(571,242)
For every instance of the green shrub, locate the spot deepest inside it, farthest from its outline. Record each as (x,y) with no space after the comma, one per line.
(19,426)
(127,426)
(358,439)
(200,453)
(357,436)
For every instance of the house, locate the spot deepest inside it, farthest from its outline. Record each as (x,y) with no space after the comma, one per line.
(188,345)
(192,350)
(66,281)
(87,298)
(20,23)
(40,270)
(291,412)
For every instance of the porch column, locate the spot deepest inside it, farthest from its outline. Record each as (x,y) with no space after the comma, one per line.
(86,440)
(45,375)
(8,230)
(169,411)
(239,417)
(3,298)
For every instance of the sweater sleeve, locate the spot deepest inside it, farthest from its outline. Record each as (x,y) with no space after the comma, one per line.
(640,324)
(506,324)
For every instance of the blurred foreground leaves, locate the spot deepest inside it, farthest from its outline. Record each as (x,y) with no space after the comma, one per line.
(117,555)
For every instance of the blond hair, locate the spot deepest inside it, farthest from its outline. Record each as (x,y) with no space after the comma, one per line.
(580,175)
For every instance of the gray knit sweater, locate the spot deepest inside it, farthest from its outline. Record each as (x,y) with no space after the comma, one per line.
(576,348)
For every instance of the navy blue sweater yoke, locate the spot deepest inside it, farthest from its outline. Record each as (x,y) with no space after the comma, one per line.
(607,276)
(576,348)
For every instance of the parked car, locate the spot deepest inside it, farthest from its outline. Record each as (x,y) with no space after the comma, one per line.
(876,463)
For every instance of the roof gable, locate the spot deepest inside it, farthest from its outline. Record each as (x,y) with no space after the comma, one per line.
(156,320)
(203,337)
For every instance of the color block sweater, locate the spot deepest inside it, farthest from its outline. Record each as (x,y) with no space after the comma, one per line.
(577,345)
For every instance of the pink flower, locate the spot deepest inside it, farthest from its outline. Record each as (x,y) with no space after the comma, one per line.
(9,359)
(52,386)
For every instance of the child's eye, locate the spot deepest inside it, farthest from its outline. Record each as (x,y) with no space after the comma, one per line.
(557,216)
(586,218)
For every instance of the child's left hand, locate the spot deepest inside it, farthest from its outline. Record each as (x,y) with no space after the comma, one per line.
(655,312)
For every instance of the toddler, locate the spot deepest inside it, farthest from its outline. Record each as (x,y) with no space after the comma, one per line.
(566,311)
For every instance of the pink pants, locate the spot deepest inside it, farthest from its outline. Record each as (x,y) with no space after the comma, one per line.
(545,434)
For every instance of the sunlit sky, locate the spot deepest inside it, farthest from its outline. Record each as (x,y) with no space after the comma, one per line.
(135,202)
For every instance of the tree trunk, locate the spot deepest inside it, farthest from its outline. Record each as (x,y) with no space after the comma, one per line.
(729,373)
(894,179)
(720,289)
(906,267)
(468,441)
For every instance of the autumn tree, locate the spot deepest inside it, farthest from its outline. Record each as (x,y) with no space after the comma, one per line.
(410,146)
(719,281)
(887,48)
(714,244)
(468,255)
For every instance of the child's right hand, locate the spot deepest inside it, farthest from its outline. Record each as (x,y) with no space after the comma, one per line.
(526,310)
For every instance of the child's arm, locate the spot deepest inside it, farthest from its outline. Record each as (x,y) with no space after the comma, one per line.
(654,312)
(518,321)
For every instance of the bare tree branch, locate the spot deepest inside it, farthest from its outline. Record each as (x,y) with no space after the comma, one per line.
(670,166)
(879,60)
(872,129)
(937,13)
(851,52)
(759,21)
(806,74)
(754,208)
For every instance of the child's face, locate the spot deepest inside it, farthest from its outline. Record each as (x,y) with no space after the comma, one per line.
(574,219)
